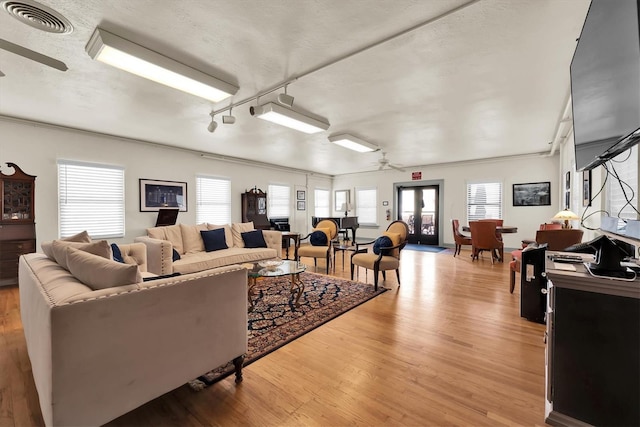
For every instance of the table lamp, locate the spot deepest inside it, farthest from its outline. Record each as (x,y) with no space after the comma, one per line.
(346,207)
(566,215)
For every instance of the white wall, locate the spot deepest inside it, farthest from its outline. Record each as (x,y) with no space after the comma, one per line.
(509,171)
(37,148)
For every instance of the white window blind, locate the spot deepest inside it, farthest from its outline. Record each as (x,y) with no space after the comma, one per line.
(213,200)
(484,200)
(322,202)
(279,201)
(626,167)
(91,198)
(366,202)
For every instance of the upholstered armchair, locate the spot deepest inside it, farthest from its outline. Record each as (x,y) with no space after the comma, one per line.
(387,258)
(459,238)
(483,238)
(320,240)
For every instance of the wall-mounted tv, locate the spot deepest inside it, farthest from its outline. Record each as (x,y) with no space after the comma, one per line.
(605,82)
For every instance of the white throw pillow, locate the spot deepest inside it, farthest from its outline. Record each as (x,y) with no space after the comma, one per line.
(191,238)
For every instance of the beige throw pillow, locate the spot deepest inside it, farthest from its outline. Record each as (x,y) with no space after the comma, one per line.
(82,237)
(172,233)
(237,229)
(100,248)
(191,238)
(98,272)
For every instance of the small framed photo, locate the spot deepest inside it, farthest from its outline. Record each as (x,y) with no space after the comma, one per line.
(300,195)
(155,194)
(586,188)
(301,205)
(567,181)
(567,199)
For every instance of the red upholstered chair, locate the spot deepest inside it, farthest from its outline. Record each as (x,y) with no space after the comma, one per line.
(499,222)
(552,226)
(483,238)
(459,238)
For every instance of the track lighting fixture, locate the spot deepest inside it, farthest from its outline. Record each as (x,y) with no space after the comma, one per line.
(285,99)
(229,119)
(213,125)
(133,58)
(284,116)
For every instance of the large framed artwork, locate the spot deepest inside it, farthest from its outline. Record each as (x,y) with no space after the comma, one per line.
(155,194)
(532,194)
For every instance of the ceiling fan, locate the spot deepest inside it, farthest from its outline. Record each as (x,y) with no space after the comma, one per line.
(384,162)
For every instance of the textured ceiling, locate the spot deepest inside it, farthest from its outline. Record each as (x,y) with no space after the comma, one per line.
(488,80)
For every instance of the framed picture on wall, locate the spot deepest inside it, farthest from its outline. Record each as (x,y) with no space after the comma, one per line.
(567,181)
(155,194)
(300,195)
(586,188)
(567,199)
(532,194)
(300,205)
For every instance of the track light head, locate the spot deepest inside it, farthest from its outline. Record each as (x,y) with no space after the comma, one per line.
(229,119)
(213,125)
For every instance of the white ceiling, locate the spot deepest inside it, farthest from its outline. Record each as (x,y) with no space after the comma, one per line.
(489,80)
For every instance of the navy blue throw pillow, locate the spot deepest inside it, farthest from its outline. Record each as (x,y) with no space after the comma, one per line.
(382,242)
(148,279)
(213,239)
(117,255)
(175,255)
(318,238)
(253,239)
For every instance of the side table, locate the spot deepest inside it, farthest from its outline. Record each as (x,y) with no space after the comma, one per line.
(287,236)
(344,249)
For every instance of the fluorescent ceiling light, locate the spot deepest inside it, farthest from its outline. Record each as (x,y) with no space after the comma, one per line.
(353,143)
(120,53)
(287,117)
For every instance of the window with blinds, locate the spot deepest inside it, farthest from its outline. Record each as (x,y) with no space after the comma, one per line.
(484,200)
(366,202)
(321,203)
(622,192)
(213,200)
(279,201)
(91,198)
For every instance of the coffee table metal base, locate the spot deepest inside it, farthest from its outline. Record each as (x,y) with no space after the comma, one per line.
(297,287)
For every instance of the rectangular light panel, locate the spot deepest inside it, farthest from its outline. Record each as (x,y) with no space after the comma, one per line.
(353,143)
(133,58)
(290,118)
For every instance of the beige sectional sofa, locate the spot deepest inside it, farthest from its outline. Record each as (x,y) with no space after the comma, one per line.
(101,349)
(187,241)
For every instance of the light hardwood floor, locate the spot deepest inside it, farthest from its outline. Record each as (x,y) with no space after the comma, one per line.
(447,347)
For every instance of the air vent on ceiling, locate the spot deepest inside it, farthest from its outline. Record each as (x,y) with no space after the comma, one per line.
(37,16)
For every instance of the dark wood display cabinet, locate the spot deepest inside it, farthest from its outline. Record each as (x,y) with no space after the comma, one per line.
(17,223)
(254,208)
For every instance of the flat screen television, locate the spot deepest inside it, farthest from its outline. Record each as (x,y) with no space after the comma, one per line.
(605,82)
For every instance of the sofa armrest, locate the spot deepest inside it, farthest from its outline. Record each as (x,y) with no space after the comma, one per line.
(135,253)
(273,239)
(159,255)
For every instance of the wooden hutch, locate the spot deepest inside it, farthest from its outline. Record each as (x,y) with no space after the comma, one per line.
(17,223)
(254,208)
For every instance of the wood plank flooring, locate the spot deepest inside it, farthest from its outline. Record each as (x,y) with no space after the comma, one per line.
(448,347)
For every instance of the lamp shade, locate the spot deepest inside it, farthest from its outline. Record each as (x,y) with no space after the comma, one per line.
(566,215)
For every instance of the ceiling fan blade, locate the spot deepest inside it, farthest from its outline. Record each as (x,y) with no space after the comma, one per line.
(2,74)
(396,168)
(32,55)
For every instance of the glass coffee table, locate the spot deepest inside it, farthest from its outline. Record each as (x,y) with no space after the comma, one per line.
(276,269)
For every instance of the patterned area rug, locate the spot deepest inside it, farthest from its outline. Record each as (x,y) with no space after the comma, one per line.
(276,321)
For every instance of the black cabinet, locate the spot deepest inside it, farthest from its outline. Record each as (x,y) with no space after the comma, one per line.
(254,208)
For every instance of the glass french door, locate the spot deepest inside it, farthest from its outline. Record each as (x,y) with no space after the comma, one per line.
(418,208)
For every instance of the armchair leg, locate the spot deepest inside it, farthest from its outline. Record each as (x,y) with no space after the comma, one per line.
(398,275)
(329,261)
(375,279)
(353,267)
(512,281)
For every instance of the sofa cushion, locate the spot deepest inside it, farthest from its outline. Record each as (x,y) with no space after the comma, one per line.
(382,242)
(82,237)
(172,233)
(100,248)
(191,238)
(214,240)
(253,239)
(237,228)
(98,272)
(228,235)
(201,261)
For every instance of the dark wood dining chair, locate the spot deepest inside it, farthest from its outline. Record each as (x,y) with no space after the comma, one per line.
(459,238)
(483,238)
